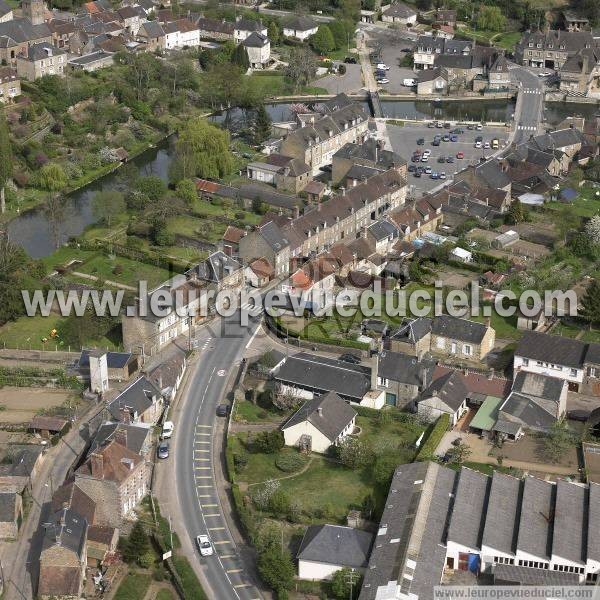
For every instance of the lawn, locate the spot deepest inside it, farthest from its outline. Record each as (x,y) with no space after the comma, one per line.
(252,413)
(566,330)
(506,327)
(587,203)
(278,85)
(133,587)
(506,40)
(165,594)
(391,433)
(225,208)
(27,332)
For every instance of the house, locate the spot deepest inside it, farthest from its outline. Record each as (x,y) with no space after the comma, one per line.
(17,34)
(120,365)
(102,542)
(48,426)
(91,62)
(131,17)
(571,21)
(21,471)
(326,549)
(10,84)
(373,159)
(461,337)
(136,437)
(219,271)
(259,272)
(300,27)
(11,514)
(244,28)
(446,395)
(461,255)
(284,172)
(181,34)
(231,240)
(385,234)
(432,81)
(6,13)
(320,423)
(468,521)
(399,12)
(64,556)
(403,377)
(308,375)
(116,479)
(428,48)
(258,47)
(140,402)
(41,59)
(267,241)
(317,141)
(72,497)
(214,29)
(413,337)
(445,17)
(153,35)
(168,373)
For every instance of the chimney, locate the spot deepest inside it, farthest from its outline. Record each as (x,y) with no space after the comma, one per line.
(320,411)
(128,463)
(97,465)
(342,191)
(160,383)
(296,212)
(125,415)
(374,370)
(121,436)
(318,207)
(376,153)
(488,322)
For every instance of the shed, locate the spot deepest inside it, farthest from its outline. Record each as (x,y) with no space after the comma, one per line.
(461,255)
(531,199)
(47,426)
(505,239)
(487,415)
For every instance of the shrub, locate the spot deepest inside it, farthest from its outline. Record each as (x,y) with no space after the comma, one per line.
(342,69)
(289,462)
(118,270)
(432,441)
(269,442)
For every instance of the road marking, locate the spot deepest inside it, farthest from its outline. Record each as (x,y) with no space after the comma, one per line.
(203,451)
(205,496)
(208,505)
(203,476)
(221,372)
(202,468)
(216,528)
(205,434)
(242,585)
(213,515)
(201,442)
(227,556)
(202,460)
(207,426)
(223,542)
(234,570)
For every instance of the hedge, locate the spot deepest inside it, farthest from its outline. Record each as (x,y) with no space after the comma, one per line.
(230,463)
(188,580)
(427,451)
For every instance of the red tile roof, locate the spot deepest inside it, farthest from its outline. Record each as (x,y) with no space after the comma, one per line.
(203,185)
(478,383)
(233,234)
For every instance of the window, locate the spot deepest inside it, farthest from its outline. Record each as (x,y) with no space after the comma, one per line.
(453,348)
(525,362)
(383,381)
(467,349)
(573,372)
(441,342)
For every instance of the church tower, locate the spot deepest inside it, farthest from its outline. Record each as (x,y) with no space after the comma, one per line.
(34,10)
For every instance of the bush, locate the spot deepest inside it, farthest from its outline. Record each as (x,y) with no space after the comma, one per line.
(268,442)
(289,462)
(342,69)
(432,441)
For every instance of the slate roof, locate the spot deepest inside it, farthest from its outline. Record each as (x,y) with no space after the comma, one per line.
(114,360)
(593,539)
(137,398)
(370,153)
(400,10)
(336,545)
(503,511)
(412,330)
(540,386)
(455,328)
(153,29)
(216,267)
(68,530)
(527,411)
(273,236)
(19,31)
(470,507)
(249,25)
(8,501)
(326,375)
(382,230)
(450,389)
(404,368)
(116,461)
(4,8)
(505,574)
(535,524)
(70,495)
(137,435)
(256,40)
(329,414)
(23,462)
(570,526)
(552,349)
(431,75)
(478,383)
(42,51)
(300,23)
(214,25)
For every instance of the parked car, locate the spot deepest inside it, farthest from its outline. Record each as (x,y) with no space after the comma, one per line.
(163,450)
(383,66)
(428,171)
(545,74)
(427,153)
(439,125)
(415,158)
(223,410)
(433,175)
(409,82)
(447,125)
(460,155)
(487,145)
(350,358)
(479,138)
(431,124)
(495,143)
(478,145)
(454,138)
(450,159)
(578,415)
(167,430)
(441,159)
(204,545)
(470,127)
(350,60)
(383,81)
(417,173)
(435,142)
(412,168)
(420,141)
(442,175)
(446,138)
(479,126)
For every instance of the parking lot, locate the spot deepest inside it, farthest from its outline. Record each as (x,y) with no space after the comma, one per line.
(393,48)
(404,142)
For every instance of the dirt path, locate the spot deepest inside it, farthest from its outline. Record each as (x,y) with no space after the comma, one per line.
(121,286)
(238,427)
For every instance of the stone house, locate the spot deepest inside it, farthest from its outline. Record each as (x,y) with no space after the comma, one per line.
(461,338)
(215,29)
(10,84)
(445,395)
(413,220)
(432,81)
(231,240)
(259,272)
(115,478)
(102,541)
(428,48)
(581,73)
(243,28)
(218,271)
(63,557)
(132,18)
(258,48)
(17,35)
(139,402)
(153,35)
(41,59)
(413,337)
(92,62)
(21,471)
(267,241)
(11,514)
(284,172)
(400,13)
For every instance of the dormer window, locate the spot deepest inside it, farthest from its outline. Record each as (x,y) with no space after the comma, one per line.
(531,44)
(550,46)
(562,46)
(539,45)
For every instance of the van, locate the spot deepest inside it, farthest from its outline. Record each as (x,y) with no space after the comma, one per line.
(167,430)
(409,82)
(495,143)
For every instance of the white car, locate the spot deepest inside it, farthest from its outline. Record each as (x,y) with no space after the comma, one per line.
(382,66)
(204,545)
(383,81)
(426,153)
(487,145)
(478,144)
(167,430)
(544,74)
(409,82)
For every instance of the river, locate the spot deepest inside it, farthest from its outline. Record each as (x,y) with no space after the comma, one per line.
(32,231)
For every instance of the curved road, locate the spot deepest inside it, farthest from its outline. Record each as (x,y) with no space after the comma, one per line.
(194,453)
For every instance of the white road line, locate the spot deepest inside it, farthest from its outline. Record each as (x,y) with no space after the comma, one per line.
(216,528)
(235,570)
(209,505)
(213,515)
(222,542)
(207,426)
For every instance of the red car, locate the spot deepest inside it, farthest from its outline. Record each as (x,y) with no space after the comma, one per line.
(460,155)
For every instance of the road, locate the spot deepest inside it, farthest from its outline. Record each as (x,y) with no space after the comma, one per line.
(196,483)
(530,103)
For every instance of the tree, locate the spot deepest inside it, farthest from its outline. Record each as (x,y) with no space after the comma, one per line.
(108,204)
(566,221)
(273,32)
(285,399)
(137,543)
(559,439)
(186,190)
(203,150)
(322,41)
(592,229)
(591,303)
(302,66)
(240,57)
(354,453)
(54,209)
(491,18)
(515,213)
(341,31)
(276,569)
(52,177)
(350,10)
(459,453)
(262,125)
(345,584)
(152,186)
(6,160)
(269,442)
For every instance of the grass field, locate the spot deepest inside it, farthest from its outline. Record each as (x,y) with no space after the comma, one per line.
(278,85)
(587,203)
(252,413)
(133,587)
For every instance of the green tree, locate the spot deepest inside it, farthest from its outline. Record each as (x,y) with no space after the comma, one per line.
(6,160)
(269,442)
(240,57)
(51,177)
(137,544)
(342,33)
(203,150)
(459,453)
(515,213)
(262,125)
(384,468)
(186,190)
(273,32)
(567,221)
(354,453)
(276,569)
(345,584)
(591,303)
(322,41)
(559,439)
(350,10)
(302,66)
(491,18)
(107,204)
(152,187)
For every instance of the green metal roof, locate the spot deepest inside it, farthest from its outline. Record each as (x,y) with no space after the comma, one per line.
(487,414)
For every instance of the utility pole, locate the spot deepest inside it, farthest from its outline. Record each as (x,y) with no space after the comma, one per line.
(171,532)
(351,581)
